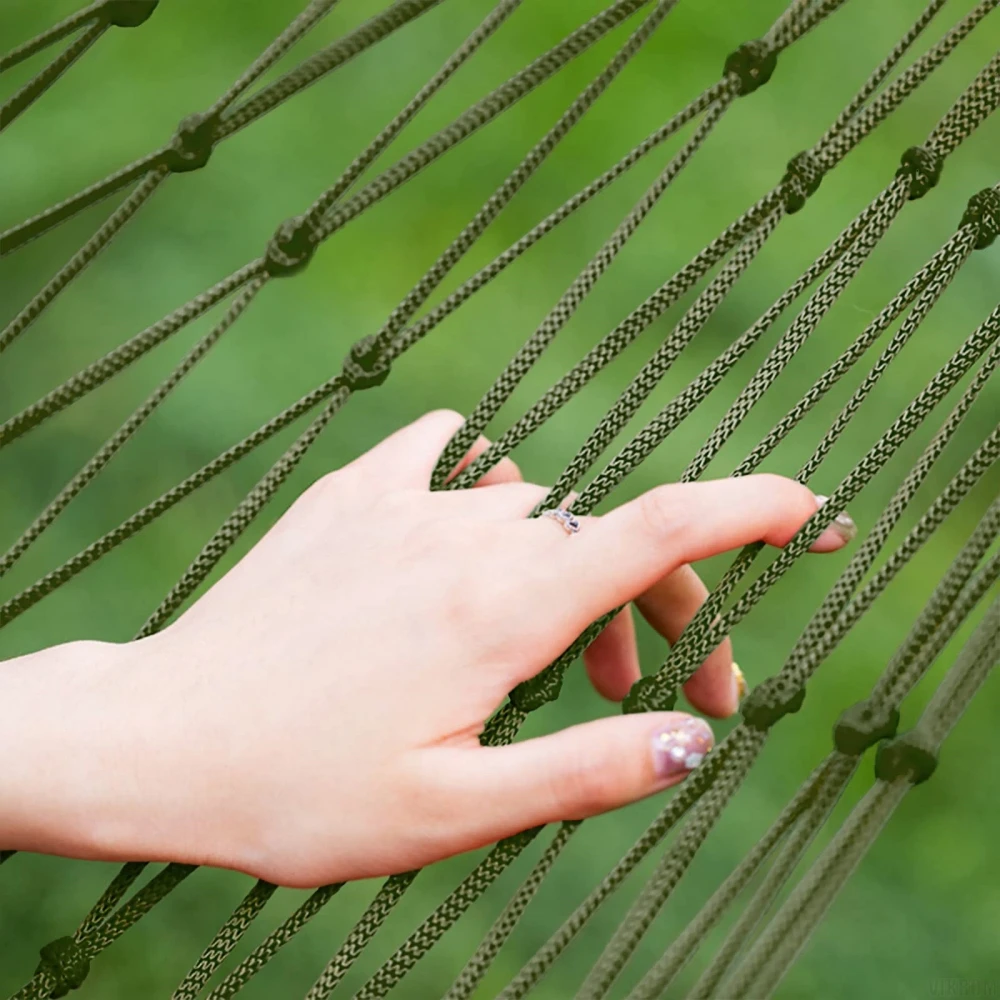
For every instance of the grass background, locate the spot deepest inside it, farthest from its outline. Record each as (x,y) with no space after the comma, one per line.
(923,907)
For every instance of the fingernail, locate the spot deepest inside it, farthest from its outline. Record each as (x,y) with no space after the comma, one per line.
(681,746)
(739,685)
(843,524)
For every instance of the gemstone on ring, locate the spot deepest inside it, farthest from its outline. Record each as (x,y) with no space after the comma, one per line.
(568,522)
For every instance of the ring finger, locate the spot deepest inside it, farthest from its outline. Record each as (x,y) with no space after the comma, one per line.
(669,605)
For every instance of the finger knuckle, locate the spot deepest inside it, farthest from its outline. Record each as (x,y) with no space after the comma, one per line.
(788,495)
(775,485)
(434,813)
(664,514)
(509,470)
(461,607)
(327,485)
(325,496)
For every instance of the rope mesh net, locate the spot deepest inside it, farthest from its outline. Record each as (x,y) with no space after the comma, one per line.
(760,945)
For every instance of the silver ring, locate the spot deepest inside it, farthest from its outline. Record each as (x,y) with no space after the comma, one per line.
(568,522)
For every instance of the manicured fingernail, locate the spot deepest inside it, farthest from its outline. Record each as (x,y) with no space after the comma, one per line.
(843,524)
(739,684)
(681,746)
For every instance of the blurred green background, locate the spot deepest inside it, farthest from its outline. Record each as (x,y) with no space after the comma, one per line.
(924,906)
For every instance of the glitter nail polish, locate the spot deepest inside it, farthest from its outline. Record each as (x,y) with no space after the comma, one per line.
(681,746)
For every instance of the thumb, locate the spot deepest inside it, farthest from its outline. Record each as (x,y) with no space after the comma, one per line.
(578,772)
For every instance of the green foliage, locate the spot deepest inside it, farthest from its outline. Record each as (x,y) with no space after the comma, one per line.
(923,907)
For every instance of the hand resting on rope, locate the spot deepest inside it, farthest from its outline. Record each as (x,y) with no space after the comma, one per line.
(314,717)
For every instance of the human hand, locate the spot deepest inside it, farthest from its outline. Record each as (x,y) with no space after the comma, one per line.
(314,717)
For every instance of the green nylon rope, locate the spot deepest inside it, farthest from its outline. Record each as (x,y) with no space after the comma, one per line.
(786,347)
(87,944)
(878,806)
(848,581)
(705,635)
(102,926)
(408,338)
(363,931)
(331,57)
(933,450)
(792,830)
(279,472)
(672,866)
(915,648)
(927,636)
(227,937)
(83,257)
(385,337)
(959,687)
(668,293)
(931,616)
(417,944)
(108,450)
(477,966)
(718,767)
(549,682)
(276,940)
(51,35)
(838,145)
(14,106)
(926,287)
(480,114)
(839,611)
(315,11)
(237,522)
(234,119)
(788,931)
(648,439)
(477,38)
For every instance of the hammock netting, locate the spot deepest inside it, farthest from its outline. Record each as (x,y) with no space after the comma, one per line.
(774,923)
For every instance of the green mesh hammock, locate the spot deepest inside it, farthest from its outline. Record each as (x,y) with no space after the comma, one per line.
(769,933)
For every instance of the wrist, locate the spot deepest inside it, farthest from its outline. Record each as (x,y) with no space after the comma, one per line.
(71,780)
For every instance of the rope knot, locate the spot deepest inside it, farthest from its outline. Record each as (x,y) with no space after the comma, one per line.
(649,694)
(192,143)
(772,700)
(539,690)
(291,247)
(922,168)
(862,726)
(911,756)
(128,13)
(802,178)
(64,960)
(365,365)
(752,64)
(983,211)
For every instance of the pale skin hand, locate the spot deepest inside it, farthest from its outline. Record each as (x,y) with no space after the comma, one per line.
(315,716)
